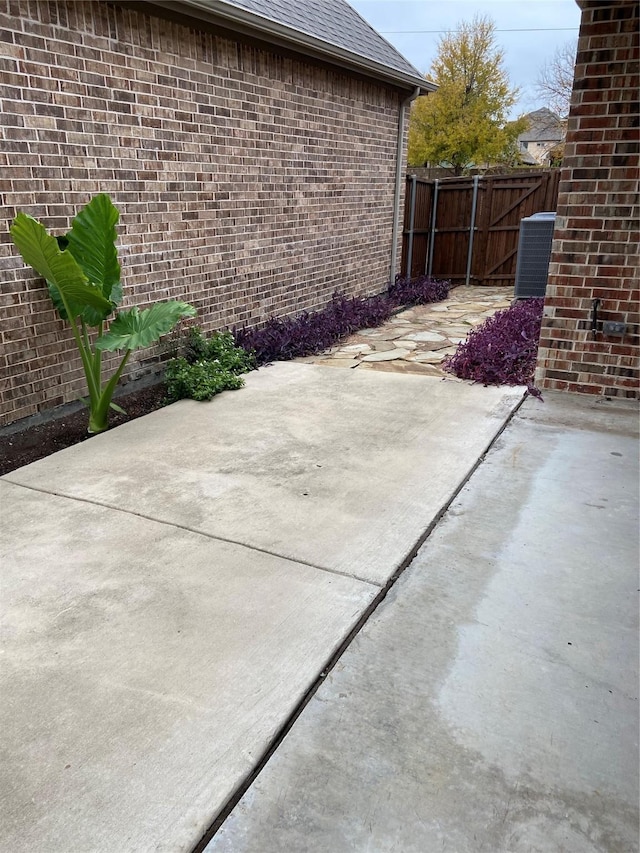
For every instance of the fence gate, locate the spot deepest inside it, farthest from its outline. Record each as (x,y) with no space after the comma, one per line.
(467,229)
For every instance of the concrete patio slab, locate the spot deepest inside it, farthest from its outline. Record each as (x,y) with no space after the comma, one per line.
(490,703)
(343,470)
(144,670)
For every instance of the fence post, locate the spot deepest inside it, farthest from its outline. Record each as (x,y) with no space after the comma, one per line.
(412,213)
(551,198)
(479,261)
(432,235)
(472,228)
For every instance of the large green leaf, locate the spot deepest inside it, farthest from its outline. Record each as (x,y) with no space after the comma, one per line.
(92,243)
(133,328)
(42,252)
(58,304)
(54,293)
(93,317)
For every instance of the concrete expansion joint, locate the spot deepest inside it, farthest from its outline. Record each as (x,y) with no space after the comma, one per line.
(295,613)
(165,523)
(539,608)
(365,617)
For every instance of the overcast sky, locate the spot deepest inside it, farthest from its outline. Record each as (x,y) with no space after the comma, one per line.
(545,25)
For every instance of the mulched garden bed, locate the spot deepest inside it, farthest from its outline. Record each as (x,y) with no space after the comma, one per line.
(40,440)
(279,339)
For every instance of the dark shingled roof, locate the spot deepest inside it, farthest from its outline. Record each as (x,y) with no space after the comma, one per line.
(329,27)
(333,21)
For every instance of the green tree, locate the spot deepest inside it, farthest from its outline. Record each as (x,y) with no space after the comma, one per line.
(465,122)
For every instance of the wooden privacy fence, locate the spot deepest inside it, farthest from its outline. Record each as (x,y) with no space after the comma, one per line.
(467,229)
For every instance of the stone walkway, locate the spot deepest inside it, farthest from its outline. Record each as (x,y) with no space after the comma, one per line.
(417,339)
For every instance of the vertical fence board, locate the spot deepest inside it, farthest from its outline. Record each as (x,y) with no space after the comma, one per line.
(422,226)
(451,240)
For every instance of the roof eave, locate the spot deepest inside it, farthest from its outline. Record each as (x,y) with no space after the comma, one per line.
(251,24)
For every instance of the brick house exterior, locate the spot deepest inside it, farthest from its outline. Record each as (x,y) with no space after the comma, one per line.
(595,249)
(254,169)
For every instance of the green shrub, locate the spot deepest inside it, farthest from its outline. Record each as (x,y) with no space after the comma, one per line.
(208,366)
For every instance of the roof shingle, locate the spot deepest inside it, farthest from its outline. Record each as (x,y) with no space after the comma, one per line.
(333,21)
(331,27)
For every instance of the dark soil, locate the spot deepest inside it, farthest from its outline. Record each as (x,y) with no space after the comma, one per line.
(40,440)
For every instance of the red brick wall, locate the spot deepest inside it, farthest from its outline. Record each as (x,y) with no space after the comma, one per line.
(249,184)
(595,250)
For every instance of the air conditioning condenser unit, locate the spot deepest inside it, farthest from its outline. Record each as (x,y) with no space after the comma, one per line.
(534,254)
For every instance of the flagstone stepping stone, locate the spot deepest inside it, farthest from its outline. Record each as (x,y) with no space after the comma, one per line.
(426,370)
(429,357)
(356,348)
(339,362)
(433,347)
(382,333)
(405,344)
(456,331)
(389,355)
(433,337)
(383,346)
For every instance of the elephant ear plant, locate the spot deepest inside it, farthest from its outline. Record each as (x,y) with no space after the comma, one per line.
(83,276)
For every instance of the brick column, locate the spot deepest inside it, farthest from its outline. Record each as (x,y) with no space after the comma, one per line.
(595,249)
